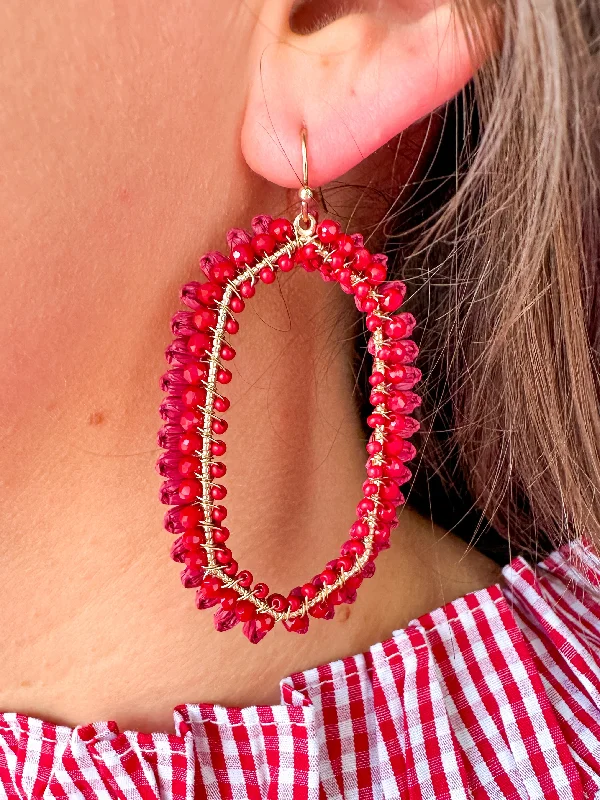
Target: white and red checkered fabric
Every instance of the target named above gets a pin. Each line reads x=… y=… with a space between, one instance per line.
x=497 y=695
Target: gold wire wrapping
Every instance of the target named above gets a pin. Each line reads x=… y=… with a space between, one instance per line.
x=302 y=236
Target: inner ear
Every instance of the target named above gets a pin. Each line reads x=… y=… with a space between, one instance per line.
x=309 y=16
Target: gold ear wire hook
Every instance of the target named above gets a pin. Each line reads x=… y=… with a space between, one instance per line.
x=303 y=135
x=305 y=192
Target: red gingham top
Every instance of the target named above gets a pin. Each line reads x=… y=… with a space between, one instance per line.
x=496 y=695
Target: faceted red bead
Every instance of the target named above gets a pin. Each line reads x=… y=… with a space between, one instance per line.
x=189 y=491
x=328 y=231
x=403 y=377
x=190 y=517
x=403 y=352
x=359 y=530
x=219 y=426
x=195 y=373
x=398 y=472
x=219 y=513
x=309 y=590
x=392 y=298
x=403 y=425
x=227 y=352
x=218 y=492
x=281 y=229
x=326 y=273
x=320 y=610
x=188 y=466
x=397 y=327
x=407 y=452
x=404 y=402
x=217 y=469
x=386 y=512
x=377 y=398
x=232 y=326
x=190 y=443
x=337 y=261
x=205 y=318
x=220 y=535
x=362 y=259
x=361 y=290
x=267 y=275
x=245 y=610
x=382 y=536
x=375 y=471
x=353 y=547
x=328 y=577
x=199 y=343
x=297 y=625
x=211 y=587
x=261 y=590
x=278 y=602
x=374 y=447
x=353 y=583
x=196 y=560
x=345 y=564
x=376 y=378
x=374 y=420
x=393 y=445
x=345 y=244
x=369 y=489
x=243 y=253
x=247 y=289
x=231 y=568
x=223 y=271
x=193 y=396
x=344 y=276
x=308 y=257
x=217 y=448
x=224 y=376
x=285 y=263
x=210 y=292
x=263 y=244
x=390 y=491
x=229 y=598
x=373 y=322
x=223 y=555
x=221 y=403
x=365 y=506
x=193 y=540
x=369 y=305
x=294 y=602
x=244 y=578
x=236 y=304
x=376 y=274
x=264 y=623
x=189 y=420
x=337 y=597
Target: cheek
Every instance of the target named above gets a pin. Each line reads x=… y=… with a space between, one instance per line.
x=115 y=119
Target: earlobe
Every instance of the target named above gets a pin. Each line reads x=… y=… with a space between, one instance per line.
x=354 y=84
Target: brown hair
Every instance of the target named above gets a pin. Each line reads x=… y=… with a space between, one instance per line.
x=499 y=245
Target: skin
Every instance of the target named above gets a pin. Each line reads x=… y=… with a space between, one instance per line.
x=122 y=134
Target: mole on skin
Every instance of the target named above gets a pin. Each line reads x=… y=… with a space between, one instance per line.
x=96 y=418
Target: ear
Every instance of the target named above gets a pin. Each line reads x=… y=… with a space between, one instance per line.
x=354 y=83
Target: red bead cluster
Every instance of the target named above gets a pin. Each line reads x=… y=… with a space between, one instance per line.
x=198 y=359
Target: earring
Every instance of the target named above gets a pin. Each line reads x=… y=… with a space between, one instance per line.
x=195 y=401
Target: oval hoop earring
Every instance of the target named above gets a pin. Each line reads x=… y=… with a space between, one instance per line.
x=195 y=401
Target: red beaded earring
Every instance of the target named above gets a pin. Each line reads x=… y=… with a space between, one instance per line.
x=192 y=462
